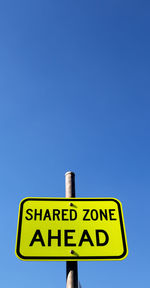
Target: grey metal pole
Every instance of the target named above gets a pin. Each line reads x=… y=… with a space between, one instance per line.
x=71 y=266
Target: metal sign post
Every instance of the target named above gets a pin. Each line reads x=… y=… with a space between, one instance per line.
x=71 y=266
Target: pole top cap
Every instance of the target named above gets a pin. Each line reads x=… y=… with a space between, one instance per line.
x=70 y=172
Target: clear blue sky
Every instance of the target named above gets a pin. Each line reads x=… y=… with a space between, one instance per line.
x=75 y=95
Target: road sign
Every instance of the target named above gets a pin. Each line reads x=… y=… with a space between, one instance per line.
x=71 y=229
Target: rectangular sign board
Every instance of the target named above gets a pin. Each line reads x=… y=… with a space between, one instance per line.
x=71 y=229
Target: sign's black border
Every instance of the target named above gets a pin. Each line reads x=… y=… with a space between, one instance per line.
x=76 y=258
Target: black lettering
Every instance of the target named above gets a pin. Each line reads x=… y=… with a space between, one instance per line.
x=85 y=238
x=47 y=215
x=37 y=238
x=64 y=214
x=96 y=214
x=87 y=211
x=50 y=237
x=29 y=213
x=69 y=237
x=103 y=214
x=98 y=238
x=73 y=217
x=56 y=213
x=38 y=214
x=111 y=214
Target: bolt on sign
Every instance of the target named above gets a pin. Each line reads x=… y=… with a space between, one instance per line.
x=71 y=229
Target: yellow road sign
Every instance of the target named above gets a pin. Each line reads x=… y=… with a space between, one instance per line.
x=71 y=229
